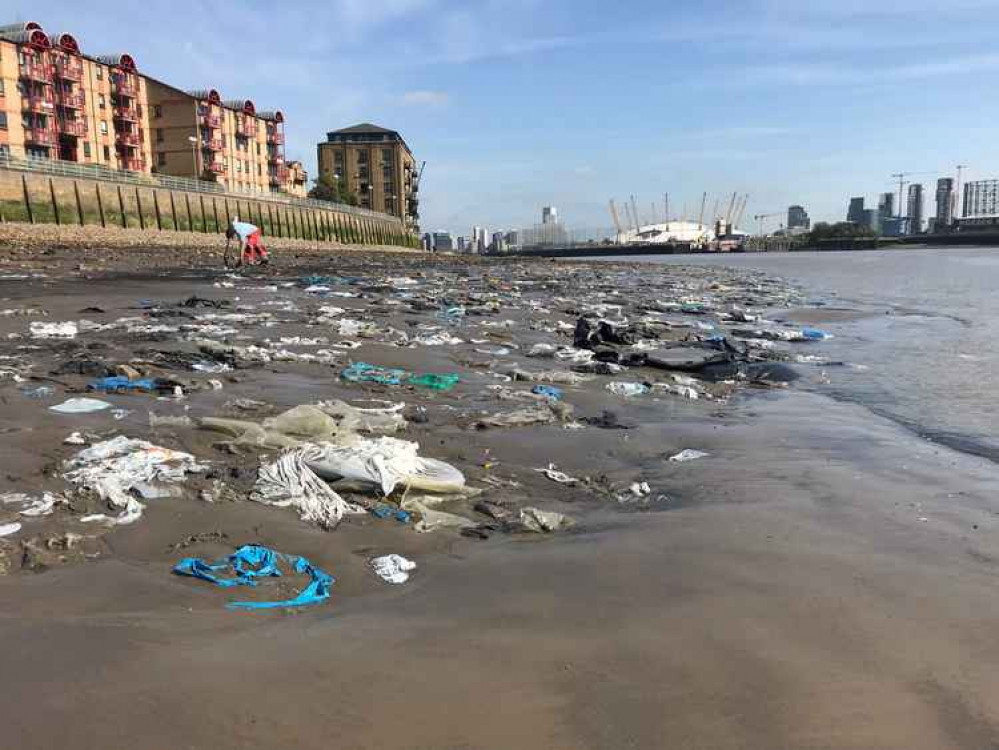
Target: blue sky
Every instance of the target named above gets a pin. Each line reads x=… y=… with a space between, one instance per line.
x=519 y=103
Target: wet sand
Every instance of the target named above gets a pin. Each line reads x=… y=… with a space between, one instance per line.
x=822 y=580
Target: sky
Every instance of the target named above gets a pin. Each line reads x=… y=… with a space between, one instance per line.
x=516 y=104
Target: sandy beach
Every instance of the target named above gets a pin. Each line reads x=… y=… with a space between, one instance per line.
x=820 y=579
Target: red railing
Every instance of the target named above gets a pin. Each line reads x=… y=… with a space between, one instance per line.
x=213 y=144
x=216 y=166
x=44 y=104
x=126 y=112
x=275 y=137
x=212 y=121
x=128 y=139
x=133 y=165
x=247 y=127
x=73 y=99
x=279 y=176
x=69 y=68
x=37 y=71
x=40 y=136
x=77 y=127
x=124 y=87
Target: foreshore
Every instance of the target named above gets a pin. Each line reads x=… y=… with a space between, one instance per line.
x=783 y=589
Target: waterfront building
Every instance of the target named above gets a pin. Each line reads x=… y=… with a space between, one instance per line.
x=931 y=225
x=945 y=203
x=499 y=242
x=797 y=219
x=198 y=134
x=855 y=213
x=443 y=242
x=462 y=245
x=58 y=103
x=914 y=208
x=378 y=167
x=298 y=179
x=549 y=215
x=871 y=218
x=981 y=199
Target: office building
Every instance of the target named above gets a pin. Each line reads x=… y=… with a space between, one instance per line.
x=945 y=203
x=443 y=242
x=797 y=220
x=981 y=199
x=871 y=218
x=549 y=215
x=479 y=240
x=377 y=166
x=855 y=214
x=58 y=103
x=886 y=205
x=198 y=134
x=931 y=225
x=914 y=209
x=499 y=243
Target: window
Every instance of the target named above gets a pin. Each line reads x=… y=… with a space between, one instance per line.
x=362 y=157
x=101 y=102
x=386 y=156
x=259 y=171
x=4 y=149
x=157 y=110
x=1 y=87
x=258 y=145
x=86 y=149
x=239 y=165
x=161 y=158
x=3 y=120
x=100 y=73
x=107 y=154
x=159 y=135
x=104 y=127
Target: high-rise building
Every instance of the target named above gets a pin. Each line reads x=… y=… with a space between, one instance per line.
x=549 y=215
x=871 y=219
x=462 y=245
x=377 y=166
x=61 y=104
x=443 y=242
x=499 y=242
x=981 y=199
x=480 y=240
x=855 y=214
x=945 y=203
x=797 y=219
x=886 y=205
x=914 y=208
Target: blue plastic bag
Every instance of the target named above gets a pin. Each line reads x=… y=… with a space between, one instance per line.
x=121 y=384
x=548 y=391
x=252 y=561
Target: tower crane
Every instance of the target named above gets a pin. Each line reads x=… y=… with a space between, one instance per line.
x=763 y=217
x=902 y=182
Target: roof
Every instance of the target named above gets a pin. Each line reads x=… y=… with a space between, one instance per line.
x=364 y=127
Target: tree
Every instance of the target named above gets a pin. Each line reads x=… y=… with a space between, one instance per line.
x=840 y=230
x=329 y=188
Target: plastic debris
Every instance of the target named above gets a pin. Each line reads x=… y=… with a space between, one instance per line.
x=120 y=384
x=628 y=390
x=555 y=475
x=290 y=482
x=393 y=568
x=113 y=467
x=80 y=406
x=42 y=391
x=432 y=519
x=65 y=330
x=362 y=372
x=548 y=391
x=689 y=454
x=544 y=521
x=6 y=529
x=252 y=562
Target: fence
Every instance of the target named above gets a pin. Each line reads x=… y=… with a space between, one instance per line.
x=58 y=193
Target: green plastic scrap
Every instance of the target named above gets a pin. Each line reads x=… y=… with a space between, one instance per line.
x=363 y=372
x=435 y=382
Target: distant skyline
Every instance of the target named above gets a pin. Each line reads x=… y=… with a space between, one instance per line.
x=517 y=104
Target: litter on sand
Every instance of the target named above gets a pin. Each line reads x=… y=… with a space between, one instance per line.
x=6 y=529
x=289 y=482
x=67 y=330
x=627 y=390
x=688 y=454
x=555 y=475
x=431 y=519
x=251 y=562
x=80 y=406
x=393 y=568
x=544 y=521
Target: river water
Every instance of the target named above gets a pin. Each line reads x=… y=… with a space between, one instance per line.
x=923 y=341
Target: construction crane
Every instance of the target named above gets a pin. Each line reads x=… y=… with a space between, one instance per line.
x=763 y=217
x=634 y=214
x=902 y=182
x=700 y=219
x=616 y=218
x=714 y=214
x=739 y=211
x=957 y=191
x=731 y=209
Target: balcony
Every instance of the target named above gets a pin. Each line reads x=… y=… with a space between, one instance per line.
x=126 y=112
x=43 y=104
x=40 y=136
x=124 y=87
x=77 y=127
x=132 y=164
x=36 y=71
x=216 y=167
x=69 y=68
x=275 y=158
x=213 y=144
x=126 y=138
x=275 y=137
x=212 y=121
x=72 y=100
x=279 y=176
x=247 y=128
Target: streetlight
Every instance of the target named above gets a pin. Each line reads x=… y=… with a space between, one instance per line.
x=194 y=155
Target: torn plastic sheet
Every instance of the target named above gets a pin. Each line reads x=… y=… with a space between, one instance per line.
x=80 y=406
x=689 y=454
x=6 y=529
x=544 y=521
x=290 y=482
x=65 y=330
x=555 y=475
x=431 y=519
x=393 y=568
x=113 y=467
x=251 y=562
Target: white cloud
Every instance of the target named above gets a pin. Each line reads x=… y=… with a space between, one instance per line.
x=426 y=98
